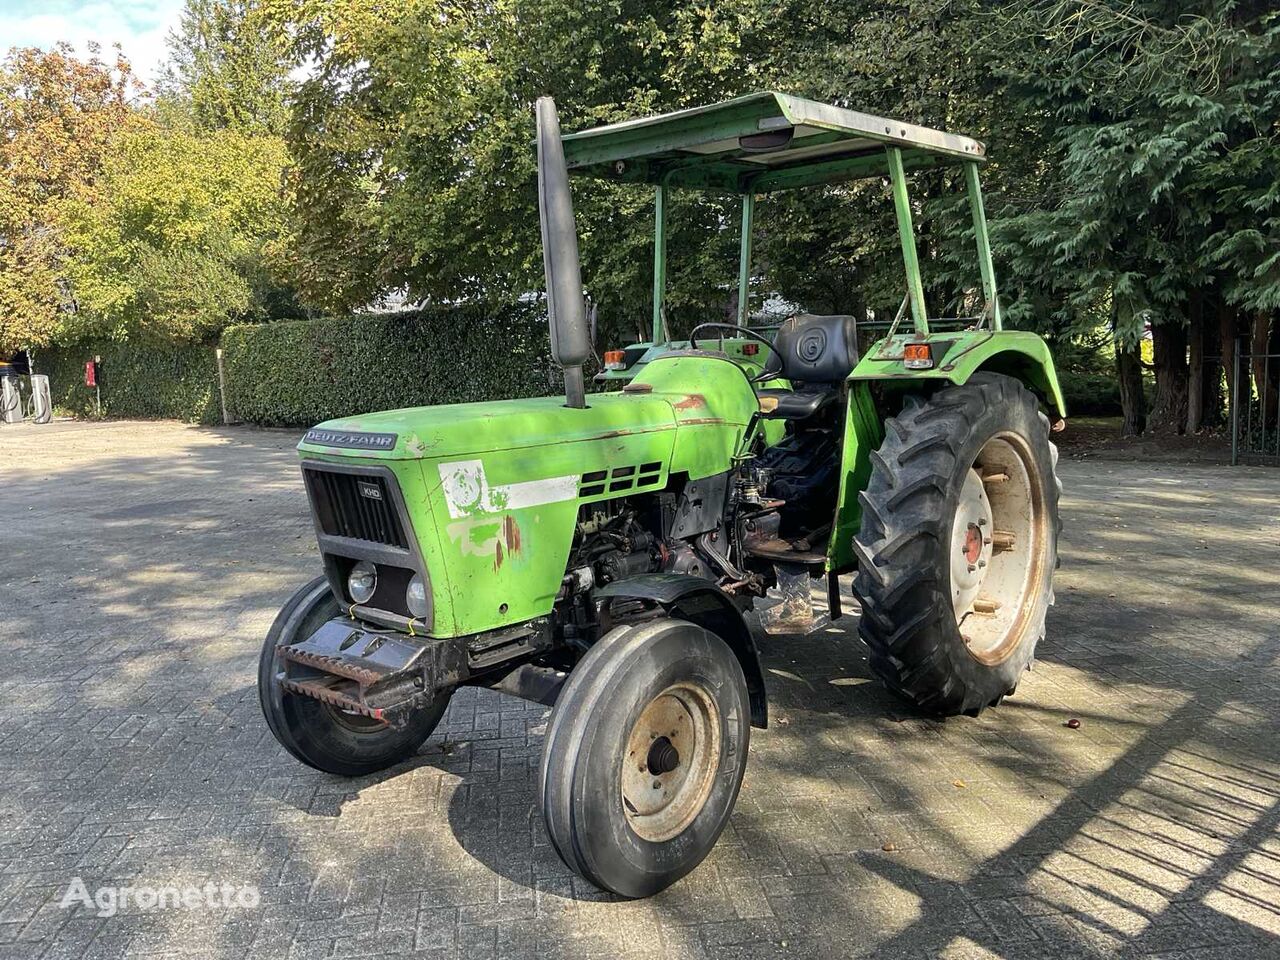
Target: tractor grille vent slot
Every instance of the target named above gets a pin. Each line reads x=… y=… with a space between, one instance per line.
x=620 y=479
x=355 y=505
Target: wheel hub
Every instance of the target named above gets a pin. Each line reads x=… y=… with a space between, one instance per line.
x=671 y=759
x=971 y=543
x=663 y=757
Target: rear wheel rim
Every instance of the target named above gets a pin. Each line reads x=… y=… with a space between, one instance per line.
x=671 y=759
x=999 y=547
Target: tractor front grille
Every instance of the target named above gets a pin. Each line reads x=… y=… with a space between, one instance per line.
x=356 y=505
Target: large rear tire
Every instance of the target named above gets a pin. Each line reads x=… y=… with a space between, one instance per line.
x=958 y=545
x=644 y=755
x=318 y=734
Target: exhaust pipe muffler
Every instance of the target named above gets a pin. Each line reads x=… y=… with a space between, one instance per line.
x=566 y=309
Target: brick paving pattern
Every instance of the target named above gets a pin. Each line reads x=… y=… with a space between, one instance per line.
x=140 y=565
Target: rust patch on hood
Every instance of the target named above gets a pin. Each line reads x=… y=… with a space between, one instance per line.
x=511 y=533
x=690 y=402
x=497 y=557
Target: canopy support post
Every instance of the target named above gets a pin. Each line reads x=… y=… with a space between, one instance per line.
x=906 y=234
x=744 y=257
x=659 y=260
x=984 y=245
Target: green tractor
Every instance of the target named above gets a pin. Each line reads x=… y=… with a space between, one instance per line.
x=597 y=553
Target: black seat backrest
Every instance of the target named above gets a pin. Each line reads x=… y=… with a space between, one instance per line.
x=814 y=349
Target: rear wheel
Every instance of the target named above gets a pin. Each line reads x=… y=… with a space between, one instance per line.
x=958 y=545
x=319 y=734
x=644 y=755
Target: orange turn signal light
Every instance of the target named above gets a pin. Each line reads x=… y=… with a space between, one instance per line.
x=917 y=356
x=615 y=360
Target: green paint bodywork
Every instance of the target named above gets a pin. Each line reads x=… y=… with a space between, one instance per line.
x=700 y=148
x=494 y=560
x=732 y=347
x=863 y=432
x=958 y=356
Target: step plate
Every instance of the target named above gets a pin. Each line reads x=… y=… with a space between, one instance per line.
x=376 y=675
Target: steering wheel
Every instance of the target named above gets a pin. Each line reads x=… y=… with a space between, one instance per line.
x=764 y=373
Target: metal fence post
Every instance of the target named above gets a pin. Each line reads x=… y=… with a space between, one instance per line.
x=1235 y=403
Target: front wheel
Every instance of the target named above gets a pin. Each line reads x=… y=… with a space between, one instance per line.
x=958 y=545
x=319 y=734
x=644 y=755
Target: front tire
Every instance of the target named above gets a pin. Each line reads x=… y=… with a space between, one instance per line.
x=320 y=735
x=644 y=755
x=958 y=545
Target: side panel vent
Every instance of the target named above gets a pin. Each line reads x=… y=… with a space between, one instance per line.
x=620 y=479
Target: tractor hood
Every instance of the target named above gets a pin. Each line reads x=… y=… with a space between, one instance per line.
x=493 y=491
x=465 y=429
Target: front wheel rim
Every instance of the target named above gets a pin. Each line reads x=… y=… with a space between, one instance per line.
x=999 y=547
x=671 y=759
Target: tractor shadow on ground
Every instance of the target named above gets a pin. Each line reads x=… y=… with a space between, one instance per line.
x=494 y=809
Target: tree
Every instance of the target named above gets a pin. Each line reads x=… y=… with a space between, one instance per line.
x=58 y=116
x=182 y=236
x=414 y=170
x=1160 y=115
x=224 y=71
x=412 y=142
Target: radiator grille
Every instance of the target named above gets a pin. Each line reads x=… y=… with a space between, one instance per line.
x=358 y=506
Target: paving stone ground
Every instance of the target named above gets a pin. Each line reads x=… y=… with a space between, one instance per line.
x=141 y=564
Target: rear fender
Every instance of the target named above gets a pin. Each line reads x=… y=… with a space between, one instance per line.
x=702 y=602
x=959 y=355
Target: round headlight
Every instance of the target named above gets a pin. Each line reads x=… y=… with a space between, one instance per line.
x=416 y=597
x=362 y=582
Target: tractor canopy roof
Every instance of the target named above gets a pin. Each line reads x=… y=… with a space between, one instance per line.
x=759 y=143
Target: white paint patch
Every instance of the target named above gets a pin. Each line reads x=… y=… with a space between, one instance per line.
x=467 y=492
x=460 y=532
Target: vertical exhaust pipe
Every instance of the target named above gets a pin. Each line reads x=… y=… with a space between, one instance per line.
x=566 y=310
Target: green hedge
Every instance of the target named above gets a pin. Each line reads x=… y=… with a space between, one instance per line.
x=297 y=373
x=161 y=382
x=300 y=372
x=1090 y=394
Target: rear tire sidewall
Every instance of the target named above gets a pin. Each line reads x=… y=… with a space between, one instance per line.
x=312 y=731
x=586 y=748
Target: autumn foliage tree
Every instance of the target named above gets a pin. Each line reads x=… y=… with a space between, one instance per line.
x=58 y=117
x=179 y=240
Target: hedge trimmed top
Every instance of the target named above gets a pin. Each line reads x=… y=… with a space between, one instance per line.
x=762 y=142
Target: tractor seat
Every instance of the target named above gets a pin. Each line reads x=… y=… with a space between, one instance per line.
x=793 y=404
x=817 y=354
